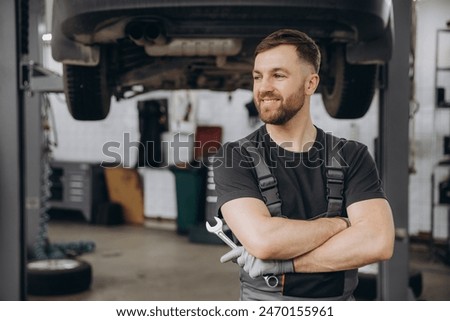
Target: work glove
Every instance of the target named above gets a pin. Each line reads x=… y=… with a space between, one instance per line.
x=256 y=267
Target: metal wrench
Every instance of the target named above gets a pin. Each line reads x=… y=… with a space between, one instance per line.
x=271 y=280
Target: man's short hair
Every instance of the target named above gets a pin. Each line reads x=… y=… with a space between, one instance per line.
x=307 y=49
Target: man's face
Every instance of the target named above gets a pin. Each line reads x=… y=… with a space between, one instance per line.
x=278 y=87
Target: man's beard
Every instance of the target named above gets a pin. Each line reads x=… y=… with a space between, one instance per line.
x=288 y=109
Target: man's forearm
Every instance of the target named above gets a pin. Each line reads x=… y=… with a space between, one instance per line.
x=293 y=238
x=350 y=249
x=267 y=237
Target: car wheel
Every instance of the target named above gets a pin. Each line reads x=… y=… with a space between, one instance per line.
x=347 y=89
x=87 y=91
x=58 y=276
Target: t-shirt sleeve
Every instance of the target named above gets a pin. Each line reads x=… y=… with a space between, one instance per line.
x=233 y=175
x=362 y=179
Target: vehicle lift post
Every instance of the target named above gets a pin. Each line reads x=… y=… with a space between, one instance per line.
x=21 y=139
x=393 y=153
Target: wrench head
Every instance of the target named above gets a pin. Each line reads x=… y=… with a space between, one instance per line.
x=216 y=228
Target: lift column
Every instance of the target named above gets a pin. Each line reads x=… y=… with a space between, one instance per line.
x=393 y=154
x=21 y=142
x=12 y=236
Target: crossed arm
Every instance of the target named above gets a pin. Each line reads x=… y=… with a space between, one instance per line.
x=321 y=245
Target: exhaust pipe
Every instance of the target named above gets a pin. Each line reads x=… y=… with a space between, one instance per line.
x=190 y=47
x=145 y=33
x=135 y=31
x=153 y=34
x=150 y=35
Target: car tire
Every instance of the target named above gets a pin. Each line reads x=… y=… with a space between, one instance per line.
x=58 y=276
x=87 y=90
x=347 y=89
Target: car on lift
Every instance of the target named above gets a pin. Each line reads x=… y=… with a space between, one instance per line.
x=126 y=48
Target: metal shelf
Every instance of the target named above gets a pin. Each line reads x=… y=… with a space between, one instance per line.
x=441 y=169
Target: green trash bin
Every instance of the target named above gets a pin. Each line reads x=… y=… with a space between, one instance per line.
x=190 y=181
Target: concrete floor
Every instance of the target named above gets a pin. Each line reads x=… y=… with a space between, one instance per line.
x=153 y=262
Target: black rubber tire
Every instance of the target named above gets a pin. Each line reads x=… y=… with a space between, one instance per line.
x=87 y=91
x=58 y=276
x=347 y=90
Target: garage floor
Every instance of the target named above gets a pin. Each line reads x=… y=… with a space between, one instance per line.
x=152 y=262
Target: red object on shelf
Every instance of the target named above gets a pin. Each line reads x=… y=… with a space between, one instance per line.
x=208 y=140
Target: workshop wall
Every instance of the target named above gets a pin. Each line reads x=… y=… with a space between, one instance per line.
x=431 y=16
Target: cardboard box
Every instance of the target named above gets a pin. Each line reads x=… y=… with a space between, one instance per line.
x=125 y=187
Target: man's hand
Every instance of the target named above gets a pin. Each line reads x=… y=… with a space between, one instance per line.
x=256 y=267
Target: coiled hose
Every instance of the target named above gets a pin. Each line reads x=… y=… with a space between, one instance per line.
x=42 y=248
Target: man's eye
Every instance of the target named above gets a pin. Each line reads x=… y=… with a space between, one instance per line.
x=256 y=77
x=279 y=76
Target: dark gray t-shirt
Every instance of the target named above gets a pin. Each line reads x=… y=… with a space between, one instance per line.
x=301 y=184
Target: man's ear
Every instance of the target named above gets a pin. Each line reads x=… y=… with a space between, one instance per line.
x=312 y=81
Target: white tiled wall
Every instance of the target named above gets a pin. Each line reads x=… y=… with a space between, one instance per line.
x=160 y=199
x=429 y=123
x=84 y=141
